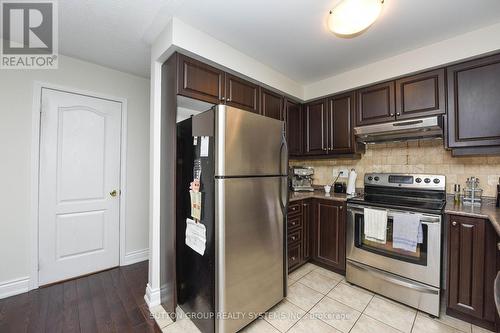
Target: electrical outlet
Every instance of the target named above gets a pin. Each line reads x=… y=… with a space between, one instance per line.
x=344 y=173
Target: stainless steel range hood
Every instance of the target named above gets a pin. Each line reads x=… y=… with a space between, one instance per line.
x=421 y=128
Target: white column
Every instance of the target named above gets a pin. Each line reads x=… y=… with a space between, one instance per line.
x=152 y=296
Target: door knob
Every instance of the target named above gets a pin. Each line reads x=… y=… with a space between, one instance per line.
x=113 y=193
x=454 y=223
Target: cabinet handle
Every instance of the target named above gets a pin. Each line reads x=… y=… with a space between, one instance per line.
x=398 y=114
x=223 y=98
x=293 y=223
x=293 y=237
x=229 y=99
x=498 y=246
x=293 y=258
x=392 y=114
x=341 y=207
x=305 y=205
x=454 y=223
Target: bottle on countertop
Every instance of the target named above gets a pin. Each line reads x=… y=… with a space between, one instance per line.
x=498 y=193
x=456 y=194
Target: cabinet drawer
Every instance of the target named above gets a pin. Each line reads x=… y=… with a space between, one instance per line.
x=293 y=256
x=295 y=208
x=294 y=237
x=295 y=222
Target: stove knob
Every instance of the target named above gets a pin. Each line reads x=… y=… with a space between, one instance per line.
x=418 y=180
x=427 y=180
x=370 y=178
x=377 y=179
x=436 y=181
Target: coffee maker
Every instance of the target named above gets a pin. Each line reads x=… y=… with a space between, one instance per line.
x=302 y=178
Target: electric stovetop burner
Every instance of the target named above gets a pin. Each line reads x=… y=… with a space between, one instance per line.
x=412 y=192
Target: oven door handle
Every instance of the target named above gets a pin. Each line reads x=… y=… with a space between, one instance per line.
x=425 y=219
x=392 y=279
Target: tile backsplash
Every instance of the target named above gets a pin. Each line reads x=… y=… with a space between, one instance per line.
x=426 y=156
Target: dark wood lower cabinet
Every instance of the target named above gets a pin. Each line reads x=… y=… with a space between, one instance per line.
x=316 y=232
x=306 y=230
x=471 y=270
x=298 y=234
x=329 y=234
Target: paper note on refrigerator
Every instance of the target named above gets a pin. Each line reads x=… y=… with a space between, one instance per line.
x=195 y=204
x=196 y=236
x=204 y=146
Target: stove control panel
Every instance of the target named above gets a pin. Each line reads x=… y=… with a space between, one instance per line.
x=404 y=180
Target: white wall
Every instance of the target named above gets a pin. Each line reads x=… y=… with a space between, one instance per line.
x=16 y=102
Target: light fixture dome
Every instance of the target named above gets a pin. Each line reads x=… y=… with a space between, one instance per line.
x=351 y=17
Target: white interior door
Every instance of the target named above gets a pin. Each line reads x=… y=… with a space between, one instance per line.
x=79 y=170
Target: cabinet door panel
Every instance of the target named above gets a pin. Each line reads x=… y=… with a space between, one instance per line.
x=474 y=103
x=341 y=135
x=466 y=265
x=294 y=128
x=271 y=104
x=316 y=128
x=306 y=231
x=421 y=95
x=375 y=104
x=200 y=81
x=329 y=234
x=242 y=94
x=294 y=253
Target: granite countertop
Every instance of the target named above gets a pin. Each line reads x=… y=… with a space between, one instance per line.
x=318 y=194
x=487 y=211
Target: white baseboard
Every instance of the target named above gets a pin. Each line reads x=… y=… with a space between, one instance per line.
x=15 y=287
x=135 y=256
x=152 y=296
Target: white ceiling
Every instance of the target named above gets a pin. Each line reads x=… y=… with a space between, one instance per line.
x=289 y=36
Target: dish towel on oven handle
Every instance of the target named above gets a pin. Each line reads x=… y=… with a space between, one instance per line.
x=406 y=231
x=375 y=225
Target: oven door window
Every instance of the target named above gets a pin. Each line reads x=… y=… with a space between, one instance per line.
x=418 y=257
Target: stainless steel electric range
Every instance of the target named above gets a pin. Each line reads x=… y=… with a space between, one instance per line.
x=410 y=277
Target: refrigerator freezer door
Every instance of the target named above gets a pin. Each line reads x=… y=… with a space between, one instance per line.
x=249 y=231
x=248 y=144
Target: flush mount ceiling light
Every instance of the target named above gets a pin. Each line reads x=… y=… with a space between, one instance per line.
x=351 y=17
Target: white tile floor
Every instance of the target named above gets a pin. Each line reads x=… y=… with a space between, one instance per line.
x=320 y=301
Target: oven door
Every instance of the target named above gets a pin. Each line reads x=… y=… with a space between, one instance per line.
x=424 y=265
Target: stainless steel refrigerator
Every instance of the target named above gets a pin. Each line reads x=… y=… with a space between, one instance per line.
x=241 y=160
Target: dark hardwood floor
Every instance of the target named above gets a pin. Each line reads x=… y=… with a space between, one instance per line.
x=109 y=301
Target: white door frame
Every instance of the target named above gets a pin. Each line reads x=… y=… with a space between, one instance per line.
x=35 y=168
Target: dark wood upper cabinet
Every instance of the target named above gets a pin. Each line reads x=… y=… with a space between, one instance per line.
x=200 y=81
x=340 y=124
x=474 y=103
x=329 y=234
x=316 y=128
x=241 y=94
x=421 y=95
x=375 y=104
x=294 y=128
x=271 y=104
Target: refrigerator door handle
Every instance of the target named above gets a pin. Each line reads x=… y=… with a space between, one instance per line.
x=283 y=193
x=284 y=173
